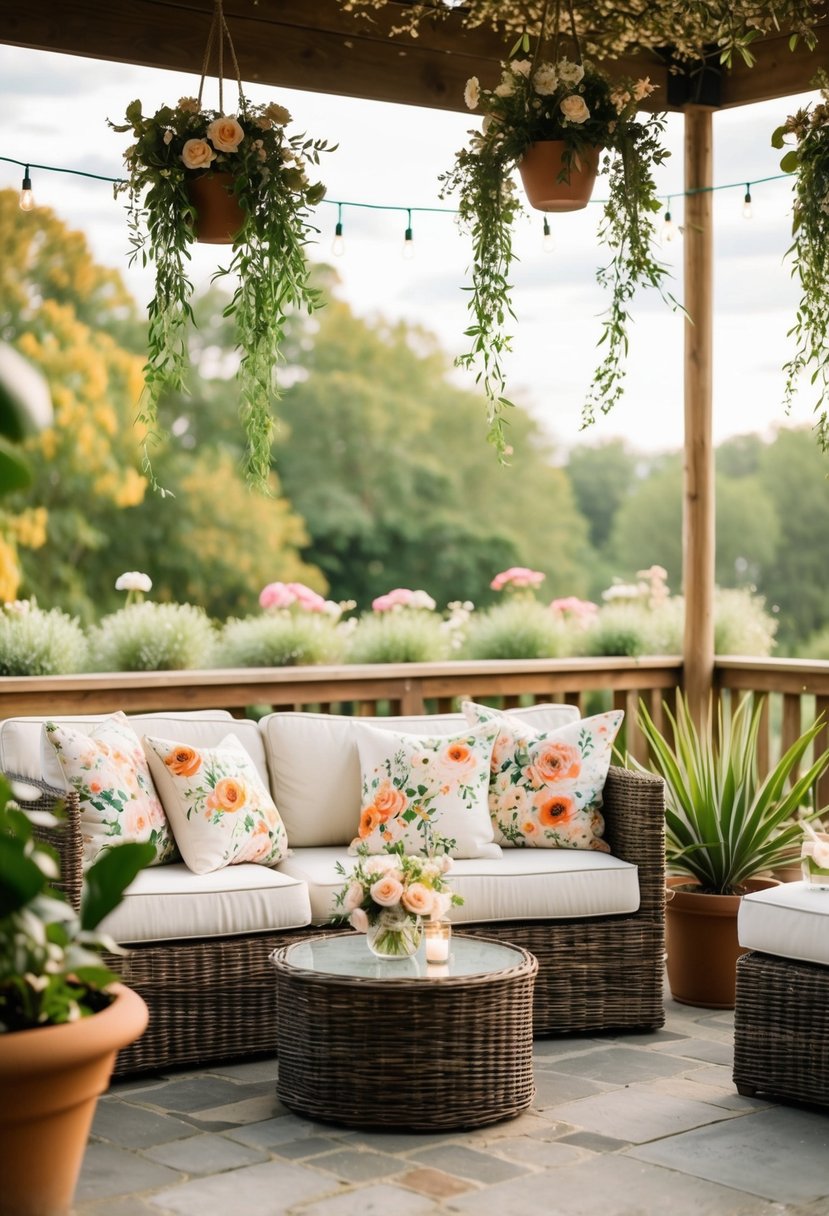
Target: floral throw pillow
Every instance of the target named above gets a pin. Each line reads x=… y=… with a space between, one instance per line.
x=219 y=809
x=546 y=786
x=108 y=770
x=414 y=786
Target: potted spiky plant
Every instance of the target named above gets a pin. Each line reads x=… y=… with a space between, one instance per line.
x=726 y=827
x=63 y=1016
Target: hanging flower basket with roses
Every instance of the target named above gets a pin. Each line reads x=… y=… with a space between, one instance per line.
x=552 y=121
x=186 y=160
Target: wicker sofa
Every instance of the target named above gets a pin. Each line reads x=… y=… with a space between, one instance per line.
x=204 y=968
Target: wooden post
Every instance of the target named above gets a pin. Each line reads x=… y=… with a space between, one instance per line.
x=698 y=511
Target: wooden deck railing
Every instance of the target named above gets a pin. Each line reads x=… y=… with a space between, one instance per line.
x=796 y=691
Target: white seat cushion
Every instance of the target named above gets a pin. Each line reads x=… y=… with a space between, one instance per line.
x=523 y=884
x=20 y=738
x=168 y=903
x=315 y=765
x=791 y=921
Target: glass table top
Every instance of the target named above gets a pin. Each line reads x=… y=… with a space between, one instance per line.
x=348 y=955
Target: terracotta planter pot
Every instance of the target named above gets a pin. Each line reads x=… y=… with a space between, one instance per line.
x=540 y=167
x=218 y=214
x=702 y=943
x=50 y=1079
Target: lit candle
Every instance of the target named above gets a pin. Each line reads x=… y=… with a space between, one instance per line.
x=438 y=933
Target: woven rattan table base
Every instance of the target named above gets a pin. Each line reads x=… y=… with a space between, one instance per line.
x=406 y=1053
x=781 y=1029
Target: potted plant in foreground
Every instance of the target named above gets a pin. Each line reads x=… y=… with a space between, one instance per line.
x=564 y=113
x=725 y=828
x=62 y=1016
x=183 y=158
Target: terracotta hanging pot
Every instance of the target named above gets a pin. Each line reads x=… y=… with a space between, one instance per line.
x=218 y=214
x=540 y=167
x=702 y=943
x=50 y=1080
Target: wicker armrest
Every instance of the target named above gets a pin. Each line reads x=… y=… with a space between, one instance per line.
x=634 y=813
x=66 y=838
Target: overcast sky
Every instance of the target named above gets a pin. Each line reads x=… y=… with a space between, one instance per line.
x=56 y=107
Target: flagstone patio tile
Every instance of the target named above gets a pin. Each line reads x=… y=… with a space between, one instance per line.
x=381 y=1200
x=463 y=1162
x=713 y=1051
x=250 y=1191
x=637 y=1114
x=205 y=1154
x=135 y=1126
x=355 y=1166
x=109 y=1172
x=621 y=1065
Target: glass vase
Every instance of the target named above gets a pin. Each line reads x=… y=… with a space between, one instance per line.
x=394 y=933
x=814 y=859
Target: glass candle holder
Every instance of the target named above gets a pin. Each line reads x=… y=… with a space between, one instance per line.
x=438 y=935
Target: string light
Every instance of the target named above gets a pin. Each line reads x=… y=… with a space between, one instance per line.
x=27 y=199
x=548 y=241
x=669 y=231
x=408 y=250
x=747 y=208
x=338 y=243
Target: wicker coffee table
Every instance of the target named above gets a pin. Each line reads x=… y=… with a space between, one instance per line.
x=403 y=1044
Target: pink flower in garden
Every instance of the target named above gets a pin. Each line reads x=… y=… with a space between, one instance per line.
x=285 y=595
x=403 y=597
x=517 y=576
x=571 y=608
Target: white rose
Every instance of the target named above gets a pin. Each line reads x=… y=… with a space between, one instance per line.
x=574 y=109
x=545 y=81
x=472 y=93
x=505 y=88
x=570 y=73
x=197 y=154
x=521 y=67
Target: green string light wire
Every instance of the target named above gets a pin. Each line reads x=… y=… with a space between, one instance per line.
x=99 y=177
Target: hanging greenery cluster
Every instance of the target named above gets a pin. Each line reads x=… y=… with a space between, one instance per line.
x=809 y=252
x=610 y=28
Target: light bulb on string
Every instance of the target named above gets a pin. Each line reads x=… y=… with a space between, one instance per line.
x=27 y=199
x=548 y=241
x=408 y=250
x=669 y=229
x=338 y=243
x=747 y=208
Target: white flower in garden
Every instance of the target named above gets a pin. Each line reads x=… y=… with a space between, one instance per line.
x=18 y=607
x=574 y=108
x=189 y=105
x=570 y=73
x=278 y=114
x=545 y=80
x=521 y=67
x=472 y=93
x=422 y=599
x=506 y=88
x=133 y=580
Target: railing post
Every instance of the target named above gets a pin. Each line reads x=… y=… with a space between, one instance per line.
x=698 y=510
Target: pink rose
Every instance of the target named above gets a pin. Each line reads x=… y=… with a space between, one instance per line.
x=517 y=576
x=197 y=154
x=386 y=891
x=418 y=899
x=225 y=134
x=353 y=897
x=276 y=595
x=306 y=598
x=358 y=920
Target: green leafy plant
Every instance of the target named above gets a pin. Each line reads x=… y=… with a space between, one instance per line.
x=724 y=824
x=282 y=640
x=404 y=635
x=808 y=160
x=153 y=637
x=268 y=169
x=519 y=628
x=35 y=642
x=51 y=965
x=575 y=103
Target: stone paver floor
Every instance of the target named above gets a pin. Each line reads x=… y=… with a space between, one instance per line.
x=627 y=1125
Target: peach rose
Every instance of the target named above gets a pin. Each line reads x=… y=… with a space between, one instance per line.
x=574 y=108
x=418 y=899
x=358 y=920
x=353 y=897
x=554 y=762
x=230 y=794
x=225 y=134
x=389 y=801
x=370 y=820
x=183 y=761
x=456 y=762
x=197 y=154
x=386 y=891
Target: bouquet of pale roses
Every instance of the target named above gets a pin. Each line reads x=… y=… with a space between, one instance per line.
x=411 y=886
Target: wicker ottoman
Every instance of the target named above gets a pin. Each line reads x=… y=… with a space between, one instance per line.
x=401 y=1044
x=781 y=1015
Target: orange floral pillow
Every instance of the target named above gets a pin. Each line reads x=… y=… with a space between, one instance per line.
x=218 y=806
x=416 y=786
x=546 y=786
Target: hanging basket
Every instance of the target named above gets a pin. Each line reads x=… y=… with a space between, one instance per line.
x=219 y=218
x=541 y=167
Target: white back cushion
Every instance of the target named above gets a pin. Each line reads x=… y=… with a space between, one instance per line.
x=315 y=765
x=20 y=738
